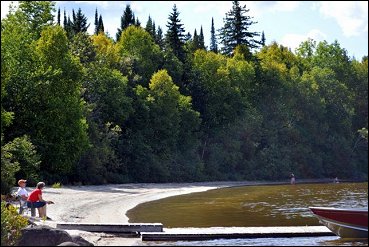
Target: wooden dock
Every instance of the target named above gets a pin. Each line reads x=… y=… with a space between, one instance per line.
x=156 y=232
x=175 y=234
x=116 y=228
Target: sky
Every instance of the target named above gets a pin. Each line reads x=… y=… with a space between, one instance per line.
x=286 y=22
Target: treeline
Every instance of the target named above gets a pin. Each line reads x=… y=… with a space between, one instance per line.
x=153 y=107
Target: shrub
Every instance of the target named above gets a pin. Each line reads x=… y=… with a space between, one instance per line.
x=56 y=185
x=11 y=224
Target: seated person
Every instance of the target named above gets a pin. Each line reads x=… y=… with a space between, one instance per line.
x=22 y=194
x=35 y=200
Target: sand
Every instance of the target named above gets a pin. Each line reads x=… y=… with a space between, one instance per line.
x=109 y=204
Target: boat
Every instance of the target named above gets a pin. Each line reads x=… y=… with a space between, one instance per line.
x=344 y=222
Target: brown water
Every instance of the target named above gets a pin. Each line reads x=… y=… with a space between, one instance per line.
x=274 y=205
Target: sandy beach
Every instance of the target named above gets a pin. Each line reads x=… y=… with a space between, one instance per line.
x=109 y=204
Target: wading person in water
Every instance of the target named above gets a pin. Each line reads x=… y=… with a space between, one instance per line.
x=293 y=180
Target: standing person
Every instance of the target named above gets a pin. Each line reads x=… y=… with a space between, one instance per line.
x=293 y=180
x=22 y=193
x=35 y=200
x=336 y=180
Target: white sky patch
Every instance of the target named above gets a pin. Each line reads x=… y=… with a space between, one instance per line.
x=294 y=40
x=352 y=17
x=286 y=6
x=103 y=4
x=5 y=7
x=260 y=8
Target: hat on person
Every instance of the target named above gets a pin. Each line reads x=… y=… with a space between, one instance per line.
x=21 y=181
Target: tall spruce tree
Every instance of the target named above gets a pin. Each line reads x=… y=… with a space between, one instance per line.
x=213 y=39
x=65 y=21
x=100 y=25
x=201 y=39
x=67 y=25
x=127 y=19
x=79 y=22
x=263 y=39
x=96 y=23
x=58 y=22
x=137 y=22
x=159 y=38
x=235 y=30
x=174 y=38
x=150 y=27
x=195 y=40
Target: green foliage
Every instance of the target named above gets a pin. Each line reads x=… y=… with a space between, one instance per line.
x=79 y=23
x=126 y=20
x=138 y=44
x=18 y=160
x=56 y=185
x=26 y=155
x=11 y=225
x=236 y=29
x=154 y=133
x=175 y=34
x=9 y=166
x=38 y=14
x=82 y=47
x=136 y=110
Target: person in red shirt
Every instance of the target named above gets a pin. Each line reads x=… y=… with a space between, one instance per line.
x=35 y=200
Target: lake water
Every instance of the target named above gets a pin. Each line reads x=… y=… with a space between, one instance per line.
x=247 y=206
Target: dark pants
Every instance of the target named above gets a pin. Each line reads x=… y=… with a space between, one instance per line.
x=34 y=205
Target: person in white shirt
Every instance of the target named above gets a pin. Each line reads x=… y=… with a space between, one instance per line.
x=22 y=193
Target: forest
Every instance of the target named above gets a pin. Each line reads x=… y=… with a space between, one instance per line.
x=148 y=106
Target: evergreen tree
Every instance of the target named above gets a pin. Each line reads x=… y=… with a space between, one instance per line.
x=213 y=39
x=79 y=22
x=67 y=25
x=59 y=16
x=137 y=23
x=195 y=40
x=159 y=38
x=263 y=39
x=127 y=19
x=150 y=27
x=100 y=27
x=65 y=21
x=201 y=40
x=235 y=31
x=96 y=23
x=175 y=35
x=187 y=37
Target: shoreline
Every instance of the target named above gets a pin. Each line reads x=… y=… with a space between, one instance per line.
x=110 y=203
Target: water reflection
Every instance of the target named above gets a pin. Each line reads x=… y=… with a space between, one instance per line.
x=300 y=241
x=276 y=205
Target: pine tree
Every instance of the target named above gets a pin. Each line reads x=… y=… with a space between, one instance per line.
x=96 y=23
x=263 y=39
x=187 y=37
x=213 y=39
x=148 y=27
x=195 y=40
x=137 y=22
x=65 y=21
x=235 y=31
x=159 y=38
x=79 y=22
x=67 y=24
x=58 y=16
x=201 y=40
x=100 y=27
x=127 y=19
x=175 y=34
